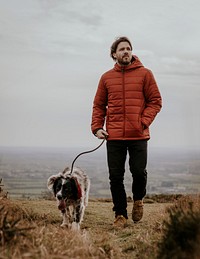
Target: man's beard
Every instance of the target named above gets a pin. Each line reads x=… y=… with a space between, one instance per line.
x=124 y=62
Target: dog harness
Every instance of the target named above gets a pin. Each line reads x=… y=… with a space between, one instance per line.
x=78 y=188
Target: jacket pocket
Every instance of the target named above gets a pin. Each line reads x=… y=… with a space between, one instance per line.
x=135 y=124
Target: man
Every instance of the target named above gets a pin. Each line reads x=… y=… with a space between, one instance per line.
x=127 y=101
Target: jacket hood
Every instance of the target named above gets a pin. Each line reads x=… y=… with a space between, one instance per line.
x=135 y=63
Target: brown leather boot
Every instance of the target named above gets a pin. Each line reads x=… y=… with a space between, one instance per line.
x=137 y=211
x=120 y=222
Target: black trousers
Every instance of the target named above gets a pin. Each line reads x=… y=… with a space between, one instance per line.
x=116 y=157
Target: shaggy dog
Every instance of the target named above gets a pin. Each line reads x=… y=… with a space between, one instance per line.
x=71 y=192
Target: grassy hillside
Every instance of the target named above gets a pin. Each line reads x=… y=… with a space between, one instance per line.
x=31 y=229
x=41 y=236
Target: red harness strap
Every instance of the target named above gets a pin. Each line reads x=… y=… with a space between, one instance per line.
x=78 y=188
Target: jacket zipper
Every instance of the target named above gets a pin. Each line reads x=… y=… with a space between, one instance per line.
x=123 y=88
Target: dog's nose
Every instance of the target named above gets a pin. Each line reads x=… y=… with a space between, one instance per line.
x=59 y=197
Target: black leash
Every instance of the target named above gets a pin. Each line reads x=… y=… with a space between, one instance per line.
x=72 y=166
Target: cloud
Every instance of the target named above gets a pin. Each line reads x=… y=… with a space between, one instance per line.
x=180 y=66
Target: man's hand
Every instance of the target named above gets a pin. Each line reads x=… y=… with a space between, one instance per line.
x=101 y=134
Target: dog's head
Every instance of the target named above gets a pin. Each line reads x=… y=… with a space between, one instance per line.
x=64 y=188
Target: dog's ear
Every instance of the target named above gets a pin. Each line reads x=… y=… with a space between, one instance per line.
x=51 y=181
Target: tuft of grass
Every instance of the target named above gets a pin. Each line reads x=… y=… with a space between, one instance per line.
x=9 y=227
x=181 y=234
x=3 y=194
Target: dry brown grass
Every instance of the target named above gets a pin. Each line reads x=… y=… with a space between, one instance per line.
x=31 y=229
x=181 y=232
x=97 y=239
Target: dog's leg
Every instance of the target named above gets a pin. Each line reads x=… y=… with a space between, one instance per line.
x=75 y=226
x=77 y=217
x=87 y=189
x=66 y=218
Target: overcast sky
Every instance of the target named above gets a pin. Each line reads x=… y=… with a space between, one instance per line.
x=53 y=52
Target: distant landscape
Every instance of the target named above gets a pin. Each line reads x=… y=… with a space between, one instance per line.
x=25 y=170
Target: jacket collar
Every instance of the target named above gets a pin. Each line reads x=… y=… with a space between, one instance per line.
x=135 y=63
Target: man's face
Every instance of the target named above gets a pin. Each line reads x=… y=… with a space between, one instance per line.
x=123 y=53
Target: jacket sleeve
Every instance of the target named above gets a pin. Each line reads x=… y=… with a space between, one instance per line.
x=99 y=107
x=153 y=100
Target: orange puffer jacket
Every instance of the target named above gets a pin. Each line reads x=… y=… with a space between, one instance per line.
x=128 y=99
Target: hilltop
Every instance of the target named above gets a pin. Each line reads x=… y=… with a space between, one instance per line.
x=97 y=239
x=169 y=229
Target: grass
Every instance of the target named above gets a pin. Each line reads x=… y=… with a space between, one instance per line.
x=97 y=238
x=181 y=232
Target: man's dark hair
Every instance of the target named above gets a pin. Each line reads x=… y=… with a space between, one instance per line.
x=113 y=48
